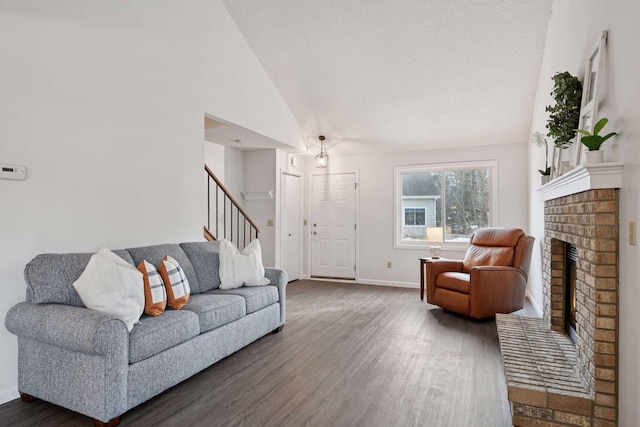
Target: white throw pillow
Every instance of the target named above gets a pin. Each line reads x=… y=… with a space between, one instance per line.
x=241 y=268
x=112 y=285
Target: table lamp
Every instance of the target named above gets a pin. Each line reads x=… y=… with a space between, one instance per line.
x=435 y=235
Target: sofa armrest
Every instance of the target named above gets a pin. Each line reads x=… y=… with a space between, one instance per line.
x=435 y=267
x=74 y=328
x=279 y=278
x=495 y=289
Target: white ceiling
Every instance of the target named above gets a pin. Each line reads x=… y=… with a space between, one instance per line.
x=377 y=75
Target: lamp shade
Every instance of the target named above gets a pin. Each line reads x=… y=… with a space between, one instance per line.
x=435 y=234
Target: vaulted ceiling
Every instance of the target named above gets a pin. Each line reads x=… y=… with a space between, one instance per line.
x=396 y=75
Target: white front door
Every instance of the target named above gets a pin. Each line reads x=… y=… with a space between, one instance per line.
x=290 y=225
x=333 y=226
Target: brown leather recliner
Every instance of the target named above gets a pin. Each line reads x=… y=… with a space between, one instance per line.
x=491 y=279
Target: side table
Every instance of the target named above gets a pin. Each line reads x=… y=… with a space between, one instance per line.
x=423 y=261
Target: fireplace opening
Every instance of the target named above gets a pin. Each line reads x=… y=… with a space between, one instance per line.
x=570 y=262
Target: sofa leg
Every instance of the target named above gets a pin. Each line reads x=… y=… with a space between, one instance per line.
x=26 y=397
x=111 y=423
x=278 y=329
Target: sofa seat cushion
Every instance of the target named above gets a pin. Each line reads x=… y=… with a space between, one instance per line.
x=216 y=310
x=453 y=281
x=156 y=334
x=256 y=297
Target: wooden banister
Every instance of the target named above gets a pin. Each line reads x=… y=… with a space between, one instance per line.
x=228 y=194
x=224 y=215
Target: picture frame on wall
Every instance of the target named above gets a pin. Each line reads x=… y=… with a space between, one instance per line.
x=590 y=92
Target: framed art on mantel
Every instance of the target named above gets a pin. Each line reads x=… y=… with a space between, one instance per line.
x=593 y=70
x=555 y=162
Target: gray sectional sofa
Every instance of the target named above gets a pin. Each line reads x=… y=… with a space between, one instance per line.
x=87 y=361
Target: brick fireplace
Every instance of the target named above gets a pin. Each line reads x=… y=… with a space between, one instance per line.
x=552 y=381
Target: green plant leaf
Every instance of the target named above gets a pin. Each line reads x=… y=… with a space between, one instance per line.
x=584 y=132
x=604 y=138
x=598 y=127
x=592 y=142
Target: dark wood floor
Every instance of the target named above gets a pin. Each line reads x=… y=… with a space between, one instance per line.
x=349 y=355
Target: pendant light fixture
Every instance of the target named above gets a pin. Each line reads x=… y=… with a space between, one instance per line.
x=322 y=159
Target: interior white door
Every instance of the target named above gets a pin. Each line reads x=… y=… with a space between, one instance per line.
x=333 y=226
x=290 y=225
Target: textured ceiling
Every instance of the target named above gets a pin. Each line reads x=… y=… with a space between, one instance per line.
x=377 y=75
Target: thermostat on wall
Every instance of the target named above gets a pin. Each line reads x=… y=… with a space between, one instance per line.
x=16 y=172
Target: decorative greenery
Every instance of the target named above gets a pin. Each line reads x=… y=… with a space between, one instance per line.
x=593 y=141
x=539 y=140
x=565 y=114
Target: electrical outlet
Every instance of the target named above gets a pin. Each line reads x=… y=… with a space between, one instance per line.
x=632 y=233
x=305 y=222
x=388 y=264
x=269 y=223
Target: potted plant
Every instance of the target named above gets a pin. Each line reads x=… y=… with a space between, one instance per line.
x=593 y=141
x=539 y=140
x=565 y=114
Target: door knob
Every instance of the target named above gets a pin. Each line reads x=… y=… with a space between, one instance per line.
x=314 y=233
x=289 y=234
x=315 y=225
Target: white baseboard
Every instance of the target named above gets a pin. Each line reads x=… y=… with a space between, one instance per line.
x=535 y=305
x=386 y=283
x=8 y=395
x=329 y=279
x=367 y=282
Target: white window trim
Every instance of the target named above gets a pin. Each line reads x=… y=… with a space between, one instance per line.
x=398 y=219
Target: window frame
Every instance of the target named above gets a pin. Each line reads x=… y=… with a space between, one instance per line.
x=398 y=171
x=424 y=210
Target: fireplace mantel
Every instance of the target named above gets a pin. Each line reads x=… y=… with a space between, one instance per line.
x=583 y=178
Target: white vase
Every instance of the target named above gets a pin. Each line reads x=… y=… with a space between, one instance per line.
x=544 y=179
x=594 y=157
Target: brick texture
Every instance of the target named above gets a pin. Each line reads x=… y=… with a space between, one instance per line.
x=570 y=385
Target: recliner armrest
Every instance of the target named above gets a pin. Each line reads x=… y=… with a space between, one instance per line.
x=435 y=267
x=495 y=289
x=73 y=328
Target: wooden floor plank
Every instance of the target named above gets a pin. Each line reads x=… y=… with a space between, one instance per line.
x=349 y=355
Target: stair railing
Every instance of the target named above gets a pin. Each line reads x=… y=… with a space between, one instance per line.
x=222 y=208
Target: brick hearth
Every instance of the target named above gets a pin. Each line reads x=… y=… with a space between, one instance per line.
x=589 y=221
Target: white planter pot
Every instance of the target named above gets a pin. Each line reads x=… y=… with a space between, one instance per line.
x=594 y=157
x=544 y=179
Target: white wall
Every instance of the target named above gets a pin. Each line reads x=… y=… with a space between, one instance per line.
x=573 y=30
x=376 y=205
x=103 y=102
x=214 y=157
x=234 y=173
x=242 y=92
x=260 y=175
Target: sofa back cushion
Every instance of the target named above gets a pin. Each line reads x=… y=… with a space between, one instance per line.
x=50 y=277
x=205 y=258
x=492 y=246
x=156 y=253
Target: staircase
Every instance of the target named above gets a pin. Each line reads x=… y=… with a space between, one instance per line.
x=225 y=217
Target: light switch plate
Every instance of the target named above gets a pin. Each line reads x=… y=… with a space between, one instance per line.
x=14 y=172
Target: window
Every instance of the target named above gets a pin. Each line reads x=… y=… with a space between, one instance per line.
x=414 y=216
x=458 y=198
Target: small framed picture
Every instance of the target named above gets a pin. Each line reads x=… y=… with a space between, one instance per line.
x=590 y=91
x=555 y=162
